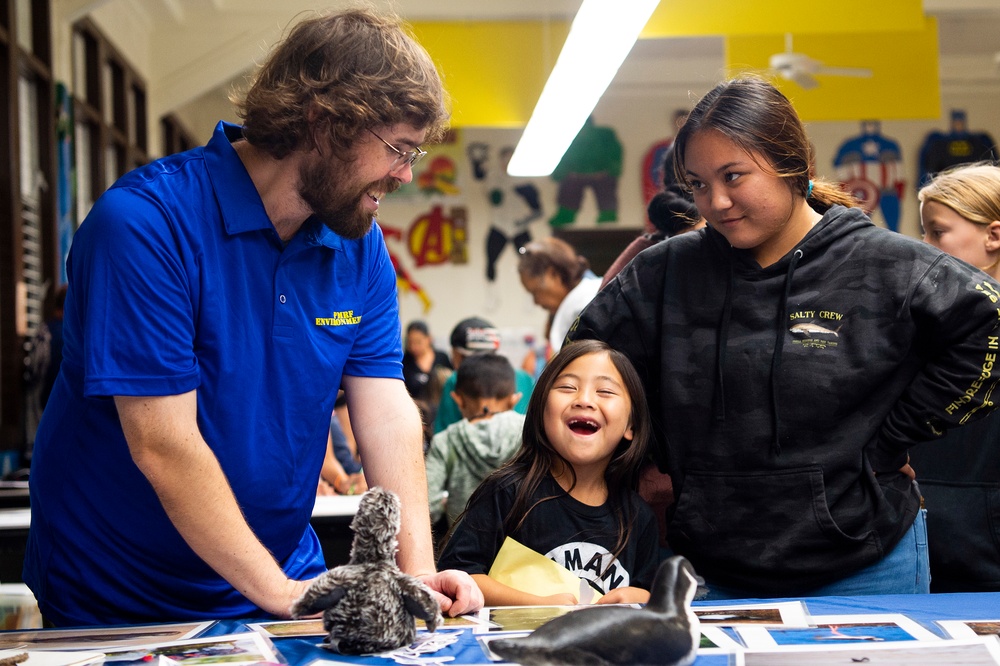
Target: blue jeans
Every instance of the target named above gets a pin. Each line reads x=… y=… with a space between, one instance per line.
x=905 y=570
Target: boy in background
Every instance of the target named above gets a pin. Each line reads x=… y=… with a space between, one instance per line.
x=470 y=337
x=464 y=453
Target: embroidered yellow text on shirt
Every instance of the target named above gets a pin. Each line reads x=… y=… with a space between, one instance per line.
x=345 y=318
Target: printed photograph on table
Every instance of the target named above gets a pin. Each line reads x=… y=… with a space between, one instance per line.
x=246 y=648
x=525 y=618
x=104 y=637
x=782 y=613
x=314 y=627
x=522 y=618
x=970 y=628
x=50 y=657
x=716 y=640
x=839 y=629
x=980 y=652
x=289 y=628
x=511 y=621
x=486 y=639
x=471 y=620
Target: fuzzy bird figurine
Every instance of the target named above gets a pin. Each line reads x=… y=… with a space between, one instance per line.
x=666 y=632
x=368 y=604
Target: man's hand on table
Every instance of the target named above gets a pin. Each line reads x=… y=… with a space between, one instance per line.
x=455 y=591
x=294 y=589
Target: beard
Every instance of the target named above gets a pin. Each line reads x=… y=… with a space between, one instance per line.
x=326 y=187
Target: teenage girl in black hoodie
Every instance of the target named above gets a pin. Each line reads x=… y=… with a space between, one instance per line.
x=792 y=352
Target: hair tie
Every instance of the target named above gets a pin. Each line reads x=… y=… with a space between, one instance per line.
x=810 y=190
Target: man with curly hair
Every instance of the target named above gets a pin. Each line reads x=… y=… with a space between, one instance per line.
x=217 y=300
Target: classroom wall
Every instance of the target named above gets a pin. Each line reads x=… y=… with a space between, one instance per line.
x=640 y=115
x=639 y=120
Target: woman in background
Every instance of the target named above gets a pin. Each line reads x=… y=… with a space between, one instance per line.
x=424 y=369
x=959 y=475
x=559 y=280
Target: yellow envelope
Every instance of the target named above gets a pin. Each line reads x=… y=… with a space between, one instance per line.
x=523 y=569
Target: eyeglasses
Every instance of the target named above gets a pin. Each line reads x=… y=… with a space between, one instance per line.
x=407 y=157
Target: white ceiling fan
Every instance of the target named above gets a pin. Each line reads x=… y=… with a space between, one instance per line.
x=802 y=69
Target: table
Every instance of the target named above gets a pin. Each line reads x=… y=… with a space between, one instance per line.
x=922 y=608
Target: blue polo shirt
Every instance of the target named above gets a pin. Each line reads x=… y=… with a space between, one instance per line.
x=178 y=281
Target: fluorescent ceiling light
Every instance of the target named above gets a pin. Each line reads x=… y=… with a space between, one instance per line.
x=602 y=34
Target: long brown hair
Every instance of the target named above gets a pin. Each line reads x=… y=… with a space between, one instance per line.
x=534 y=460
x=758 y=118
x=334 y=77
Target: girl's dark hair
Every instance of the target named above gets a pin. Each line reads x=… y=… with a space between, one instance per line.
x=550 y=252
x=484 y=376
x=334 y=77
x=419 y=326
x=533 y=461
x=758 y=118
x=672 y=210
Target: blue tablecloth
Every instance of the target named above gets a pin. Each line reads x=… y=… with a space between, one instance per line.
x=922 y=608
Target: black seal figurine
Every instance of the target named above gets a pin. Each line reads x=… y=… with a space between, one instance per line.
x=368 y=604
x=666 y=632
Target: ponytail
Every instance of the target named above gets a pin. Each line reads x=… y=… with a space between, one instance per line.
x=826 y=194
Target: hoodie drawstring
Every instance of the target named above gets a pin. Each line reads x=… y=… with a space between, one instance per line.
x=720 y=348
x=779 y=345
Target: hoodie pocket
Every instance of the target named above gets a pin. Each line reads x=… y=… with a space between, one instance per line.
x=764 y=521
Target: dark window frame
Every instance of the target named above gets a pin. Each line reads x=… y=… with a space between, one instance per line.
x=28 y=247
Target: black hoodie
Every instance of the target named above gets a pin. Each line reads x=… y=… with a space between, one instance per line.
x=785 y=398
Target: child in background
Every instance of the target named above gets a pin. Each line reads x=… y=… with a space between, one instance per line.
x=470 y=337
x=341 y=473
x=464 y=453
x=960 y=215
x=959 y=474
x=569 y=491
